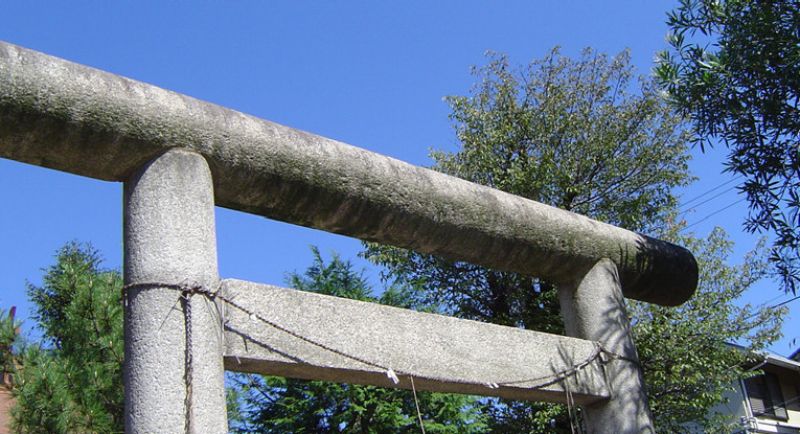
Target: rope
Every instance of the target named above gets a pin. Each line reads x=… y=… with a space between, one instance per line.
x=392 y=375
x=570 y=415
x=186 y=301
x=188 y=289
x=557 y=377
x=254 y=316
x=416 y=404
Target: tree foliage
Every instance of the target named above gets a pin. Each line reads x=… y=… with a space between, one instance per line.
x=72 y=382
x=686 y=352
x=576 y=134
x=582 y=135
x=734 y=69
x=585 y=136
x=281 y=405
x=9 y=342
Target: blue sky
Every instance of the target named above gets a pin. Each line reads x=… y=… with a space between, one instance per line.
x=372 y=74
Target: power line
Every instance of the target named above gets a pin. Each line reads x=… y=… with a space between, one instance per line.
x=774 y=306
x=710 y=191
x=709 y=199
x=714 y=213
x=772 y=300
x=785 y=302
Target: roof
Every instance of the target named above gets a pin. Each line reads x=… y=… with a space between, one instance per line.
x=789 y=363
x=792 y=362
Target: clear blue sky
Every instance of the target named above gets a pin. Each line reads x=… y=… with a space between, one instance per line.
x=371 y=74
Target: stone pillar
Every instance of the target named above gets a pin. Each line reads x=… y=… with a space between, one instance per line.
x=593 y=308
x=170 y=239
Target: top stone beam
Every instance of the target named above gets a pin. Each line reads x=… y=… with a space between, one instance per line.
x=73 y=118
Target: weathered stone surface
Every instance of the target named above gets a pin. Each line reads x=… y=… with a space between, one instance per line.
x=442 y=353
x=593 y=308
x=169 y=238
x=69 y=117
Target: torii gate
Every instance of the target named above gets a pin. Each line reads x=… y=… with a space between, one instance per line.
x=179 y=156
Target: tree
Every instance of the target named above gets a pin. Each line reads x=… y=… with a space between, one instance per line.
x=280 y=405
x=686 y=352
x=571 y=134
x=9 y=342
x=734 y=70
x=72 y=382
x=578 y=135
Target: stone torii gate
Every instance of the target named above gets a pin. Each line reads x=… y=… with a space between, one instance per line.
x=178 y=157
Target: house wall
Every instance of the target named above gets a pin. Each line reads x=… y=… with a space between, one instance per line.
x=734 y=410
x=740 y=414
x=6 y=402
x=790 y=388
x=736 y=405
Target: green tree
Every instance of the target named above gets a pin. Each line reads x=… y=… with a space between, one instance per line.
x=579 y=135
x=574 y=134
x=686 y=352
x=734 y=69
x=72 y=382
x=281 y=405
x=9 y=342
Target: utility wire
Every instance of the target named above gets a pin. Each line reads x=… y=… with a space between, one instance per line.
x=714 y=213
x=774 y=306
x=702 y=195
x=773 y=299
x=708 y=200
x=785 y=302
x=765 y=305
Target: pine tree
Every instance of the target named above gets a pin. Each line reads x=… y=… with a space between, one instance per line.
x=72 y=381
x=281 y=405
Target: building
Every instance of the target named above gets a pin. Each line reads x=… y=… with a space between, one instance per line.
x=769 y=402
x=8 y=362
x=6 y=402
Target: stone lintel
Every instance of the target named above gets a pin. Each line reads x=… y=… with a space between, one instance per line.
x=442 y=353
x=73 y=118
